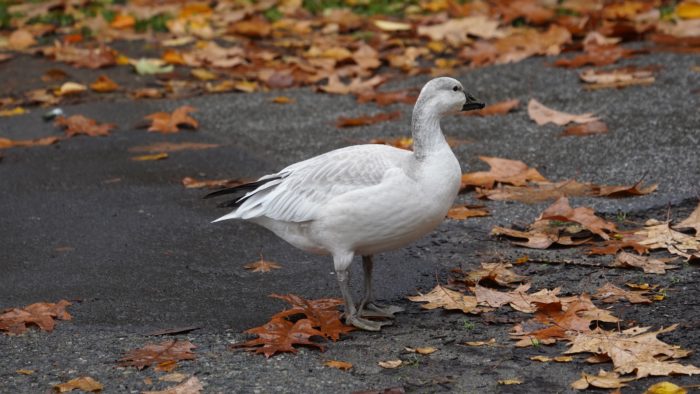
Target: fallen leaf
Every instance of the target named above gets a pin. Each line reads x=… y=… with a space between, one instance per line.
x=356 y=86
x=500 y=108
x=558 y=359
x=101 y=56
x=635 y=349
x=585 y=216
x=146 y=93
x=610 y=293
x=498 y=273
x=441 y=297
x=122 y=21
x=618 y=77
x=509 y=382
x=342 y=365
x=166 y=366
x=13 y=112
x=456 y=31
x=692 y=221
x=665 y=387
x=604 y=379
x=391 y=26
x=408 y=96
x=612 y=246
x=190 y=386
x=163 y=122
x=104 y=84
x=8 y=143
x=262 y=265
x=153 y=157
x=366 y=120
x=157 y=353
x=145 y=66
x=514 y=172
x=84 y=383
x=24 y=371
x=81 y=125
x=21 y=39
x=322 y=313
x=70 y=88
x=173 y=147
x=490 y=342
x=54 y=75
x=282 y=100
x=586 y=129
x=543 y=115
x=280 y=335
x=660 y=236
x=15 y=321
x=203 y=74
x=390 y=364
x=192 y=183
x=174 y=377
x=597 y=55
x=648 y=264
x=466 y=211
x=421 y=350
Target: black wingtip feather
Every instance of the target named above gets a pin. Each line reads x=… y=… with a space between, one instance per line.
x=246 y=187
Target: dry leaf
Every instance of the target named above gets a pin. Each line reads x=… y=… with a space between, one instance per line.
x=391 y=26
x=84 y=383
x=605 y=380
x=597 y=55
x=514 y=172
x=25 y=371
x=7 y=143
x=81 y=125
x=648 y=264
x=562 y=211
x=20 y=39
x=262 y=265
x=661 y=236
x=13 y=112
x=322 y=314
x=421 y=350
x=456 y=31
x=401 y=142
x=490 y=342
x=203 y=74
x=366 y=120
x=441 y=297
x=356 y=86
x=692 y=221
x=665 y=388
x=104 y=84
x=500 y=108
x=153 y=157
x=282 y=100
x=280 y=335
x=590 y=128
x=157 y=353
x=618 y=77
x=543 y=115
x=15 y=321
x=174 y=377
x=498 y=273
x=342 y=365
x=467 y=211
x=166 y=366
x=54 y=75
x=190 y=386
x=90 y=58
x=508 y=382
x=163 y=122
x=70 y=88
x=610 y=293
x=390 y=364
x=173 y=147
x=612 y=246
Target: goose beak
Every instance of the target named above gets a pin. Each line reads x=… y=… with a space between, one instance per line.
x=471 y=103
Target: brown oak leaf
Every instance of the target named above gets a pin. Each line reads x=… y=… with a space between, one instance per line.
x=322 y=313
x=15 y=321
x=514 y=172
x=163 y=122
x=157 y=353
x=280 y=335
x=81 y=125
x=585 y=216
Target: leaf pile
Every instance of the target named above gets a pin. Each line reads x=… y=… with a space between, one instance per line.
x=280 y=334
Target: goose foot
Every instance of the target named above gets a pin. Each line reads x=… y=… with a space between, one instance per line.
x=364 y=324
x=374 y=309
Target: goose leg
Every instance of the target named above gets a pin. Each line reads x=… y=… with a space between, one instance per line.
x=368 y=307
x=351 y=317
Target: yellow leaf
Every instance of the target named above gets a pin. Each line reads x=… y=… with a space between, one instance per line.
x=203 y=74
x=342 y=365
x=157 y=156
x=391 y=26
x=510 y=381
x=246 y=86
x=69 y=88
x=522 y=260
x=24 y=371
x=543 y=359
x=665 y=388
x=171 y=56
x=13 y=112
x=390 y=364
x=436 y=46
x=688 y=10
x=104 y=84
x=563 y=359
x=84 y=383
x=122 y=60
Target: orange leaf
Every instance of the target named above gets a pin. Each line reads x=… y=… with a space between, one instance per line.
x=262 y=265
x=158 y=353
x=8 y=143
x=84 y=383
x=79 y=124
x=172 y=56
x=465 y=212
x=122 y=21
x=104 y=84
x=590 y=128
x=366 y=120
x=597 y=55
x=15 y=321
x=342 y=365
x=562 y=211
x=514 y=172
x=322 y=313
x=163 y=122
x=153 y=157
x=279 y=335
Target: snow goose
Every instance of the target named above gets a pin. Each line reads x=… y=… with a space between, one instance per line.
x=363 y=199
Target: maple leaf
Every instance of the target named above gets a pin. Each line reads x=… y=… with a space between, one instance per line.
x=44 y=141
x=81 y=125
x=498 y=273
x=692 y=221
x=366 y=120
x=322 y=313
x=15 y=321
x=189 y=386
x=157 y=353
x=634 y=349
x=610 y=293
x=502 y=170
x=84 y=383
x=517 y=299
x=543 y=191
x=262 y=265
x=280 y=335
x=648 y=264
x=660 y=236
x=527 y=9
x=441 y=297
x=499 y=108
x=543 y=115
x=163 y=122
x=562 y=211
x=467 y=211
x=604 y=379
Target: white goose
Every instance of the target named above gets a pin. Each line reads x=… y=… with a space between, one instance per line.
x=363 y=199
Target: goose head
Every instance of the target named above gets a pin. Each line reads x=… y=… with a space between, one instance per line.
x=445 y=96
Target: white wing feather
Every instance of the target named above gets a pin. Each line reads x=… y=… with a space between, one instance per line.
x=306 y=186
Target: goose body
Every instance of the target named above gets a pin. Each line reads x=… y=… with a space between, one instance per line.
x=363 y=199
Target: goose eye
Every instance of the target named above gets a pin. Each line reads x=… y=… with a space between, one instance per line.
x=456 y=88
